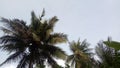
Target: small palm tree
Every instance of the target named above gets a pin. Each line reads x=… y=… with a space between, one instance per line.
x=81 y=54
x=109 y=58
x=32 y=44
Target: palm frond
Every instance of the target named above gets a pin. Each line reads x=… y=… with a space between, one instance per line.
x=69 y=58
x=18 y=27
x=14 y=24
x=13 y=57
x=105 y=54
x=42 y=15
x=59 y=53
x=35 y=22
x=23 y=62
x=13 y=47
x=74 y=46
x=51 y=61
x=73 y=62
x=7 y=39
x=52 y=23
x=57 y=38
x=12 y=43
x=54 y=51
x=7 y=31
x=113 y=44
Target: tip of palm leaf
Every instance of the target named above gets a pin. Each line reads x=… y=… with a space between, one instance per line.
x=2 y=64
x=43 y=13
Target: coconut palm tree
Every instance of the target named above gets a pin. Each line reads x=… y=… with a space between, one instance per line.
x=32 y=44
x=109 y=58
x=81 y=55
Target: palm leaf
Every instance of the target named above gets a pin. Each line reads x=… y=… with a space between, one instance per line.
x=8 y=38
x=57 y=38
x=69 y=58
x=42 y=15
x=113 y=44
x=54 y=51
x=106 y=55
x=59 y=53
x=15 y=27
x=13 y=57
x=7 y=31
x=52 y=23
x=35 y=22
x=23 y=62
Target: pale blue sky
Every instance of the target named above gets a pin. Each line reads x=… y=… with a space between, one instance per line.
x=93 y=20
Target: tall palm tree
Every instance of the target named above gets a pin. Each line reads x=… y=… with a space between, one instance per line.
x=32 y=44
x=109 y=58
x=81 y=55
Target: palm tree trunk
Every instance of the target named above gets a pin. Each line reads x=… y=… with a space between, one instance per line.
x=30 y=65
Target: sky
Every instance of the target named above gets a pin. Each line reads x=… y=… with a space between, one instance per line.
x=93 y=20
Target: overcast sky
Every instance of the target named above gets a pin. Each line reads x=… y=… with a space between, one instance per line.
x=93 y=20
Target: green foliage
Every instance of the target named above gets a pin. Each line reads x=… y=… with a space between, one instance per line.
x=109 y=58
x=81 y=54
x=113 y=44
x=34 y=43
